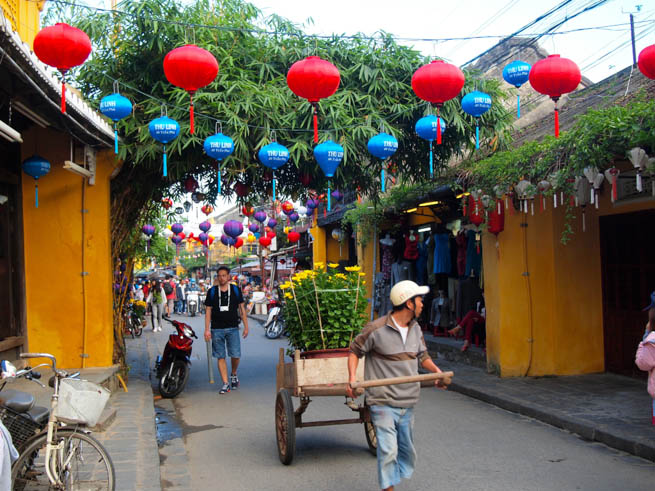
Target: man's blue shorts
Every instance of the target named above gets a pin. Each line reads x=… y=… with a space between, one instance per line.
x=229 y=336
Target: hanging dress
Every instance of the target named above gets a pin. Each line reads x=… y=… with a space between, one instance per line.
x=442 y=254
x=421 y=263
x=473 y=255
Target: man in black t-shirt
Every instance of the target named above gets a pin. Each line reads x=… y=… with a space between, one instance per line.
x=225 y=307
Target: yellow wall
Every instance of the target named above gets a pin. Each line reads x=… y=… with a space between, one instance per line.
x=53 y=256
x=23 y=16
x=556 y=311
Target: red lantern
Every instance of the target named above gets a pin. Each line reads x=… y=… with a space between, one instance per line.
x=247 y=210
x=190 y=184
x=264 y=241
x=241 y=189
x=238 y=243
x=271 y=234
x=305 y=179
x=497 y=218
x=438 y=82
x=207 y=209
x=63 y=47
x=313 y=79
x=181 y=235
x=476 y=211
x=554 y=76
x=293 y=236
x=646 y=61
x=166 y=203
x=190 y=68
x=287 y=207
x=210 y=239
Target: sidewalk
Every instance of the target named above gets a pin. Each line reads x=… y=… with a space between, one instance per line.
x=606 y=408
x=131 y=438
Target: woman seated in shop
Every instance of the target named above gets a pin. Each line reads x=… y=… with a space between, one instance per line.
x=472 y=324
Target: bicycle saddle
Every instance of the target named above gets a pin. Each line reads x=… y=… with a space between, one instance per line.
x=39 y=414
x=21 y=402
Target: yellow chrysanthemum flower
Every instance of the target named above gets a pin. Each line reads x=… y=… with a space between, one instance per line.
x=333 y=265
x=319 y=265
x=288 y=295
x=284 y=286
x=353 y=269
x=362 y=274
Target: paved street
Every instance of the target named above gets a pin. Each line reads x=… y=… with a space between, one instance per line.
x=228 y=441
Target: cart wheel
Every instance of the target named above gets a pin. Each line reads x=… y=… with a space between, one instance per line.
x=285 y=426
x=371 y=438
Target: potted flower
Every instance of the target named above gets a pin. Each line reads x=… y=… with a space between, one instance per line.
x=324 y=309
x=139 y=307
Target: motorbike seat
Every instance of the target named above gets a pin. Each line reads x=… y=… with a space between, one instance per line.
x=18 y=401
x=39 y=414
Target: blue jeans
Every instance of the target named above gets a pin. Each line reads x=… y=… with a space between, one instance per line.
x=229 y=337
x=396 y=454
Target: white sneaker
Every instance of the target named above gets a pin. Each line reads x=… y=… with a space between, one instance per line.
x=159 y=328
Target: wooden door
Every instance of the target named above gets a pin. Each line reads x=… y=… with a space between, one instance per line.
x=628 y=275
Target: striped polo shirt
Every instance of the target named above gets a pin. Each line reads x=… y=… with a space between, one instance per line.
x=387 y=356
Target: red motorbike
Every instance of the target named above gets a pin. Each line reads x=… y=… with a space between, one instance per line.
x=173 y=367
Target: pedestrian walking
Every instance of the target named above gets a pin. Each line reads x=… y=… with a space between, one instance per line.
x=157 y=301
x=169 y=290
x=645 y=357
x=392 y=344
x=179 y=297
x=224 y=307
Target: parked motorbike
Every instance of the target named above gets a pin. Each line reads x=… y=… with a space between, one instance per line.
x=173 y=366
x=274 y=325
x=133 y=322
x=192 y=302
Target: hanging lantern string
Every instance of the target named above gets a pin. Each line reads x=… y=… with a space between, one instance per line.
x=613 y=27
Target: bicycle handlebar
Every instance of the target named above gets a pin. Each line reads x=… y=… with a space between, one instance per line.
x=43 y=355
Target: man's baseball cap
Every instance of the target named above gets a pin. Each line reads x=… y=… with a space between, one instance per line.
x=406 y=290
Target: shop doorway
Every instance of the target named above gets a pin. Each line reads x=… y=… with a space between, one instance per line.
x=628 y=276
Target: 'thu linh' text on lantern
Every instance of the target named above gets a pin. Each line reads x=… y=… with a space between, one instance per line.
x=328 y=155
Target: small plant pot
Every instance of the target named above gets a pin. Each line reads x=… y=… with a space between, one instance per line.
x=325 y=353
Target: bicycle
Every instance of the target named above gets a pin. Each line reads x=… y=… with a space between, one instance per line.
x=65 y=456
x=133 y=324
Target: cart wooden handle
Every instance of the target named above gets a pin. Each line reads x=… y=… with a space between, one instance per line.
x=446 y=377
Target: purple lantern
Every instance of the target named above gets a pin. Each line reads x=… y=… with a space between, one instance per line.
x=176 y=239
x=337 y=195
x=260 y=216
x=312 y=204
x=225 y=240
x=177 y=228
x=148 y=230
x=253 y=227
x=233 y=228
x=205 y=226
x=203 y=237
x=272 y=223
x=293 y=218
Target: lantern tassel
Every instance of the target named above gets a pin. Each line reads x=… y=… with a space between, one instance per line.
x=165 y=169
x=382 y=183
x=498 y=204
x=640 y=186
x=63 y=93
x=329 y=200
x=438 y=128
x=518 y=106
x=556 y=123
x=477 y=135
x=464 y=207
x=614 y=188
x=220 y=184
x=555 y=200
x=273 y=186
x=431 y=166
x=36 y=195
x=115 y=139
x=191 y=116
x=315 y=117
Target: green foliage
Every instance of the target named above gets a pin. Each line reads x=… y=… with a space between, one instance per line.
x=159 y=248
x=324 y=309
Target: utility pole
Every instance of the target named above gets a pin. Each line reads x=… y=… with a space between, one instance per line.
x=632 y=33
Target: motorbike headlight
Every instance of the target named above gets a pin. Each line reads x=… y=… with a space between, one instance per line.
x=188 y=332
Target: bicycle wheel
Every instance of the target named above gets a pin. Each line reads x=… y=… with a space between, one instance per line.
x=83 y=464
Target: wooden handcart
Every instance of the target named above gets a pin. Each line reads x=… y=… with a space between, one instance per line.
x=306 y=378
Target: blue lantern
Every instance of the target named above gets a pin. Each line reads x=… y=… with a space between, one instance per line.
x=328 y=155
x=426 y=128
x=219 y=146
x=273 y=156
x=115 y=107
x=164 y=130
x=517 y=73
x=382 y=146
x=36 y=166
x=476 y=103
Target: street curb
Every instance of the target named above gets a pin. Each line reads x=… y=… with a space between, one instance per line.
x=643 y=448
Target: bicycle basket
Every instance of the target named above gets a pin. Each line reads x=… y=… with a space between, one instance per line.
x=20 y=426
x=81 y=402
